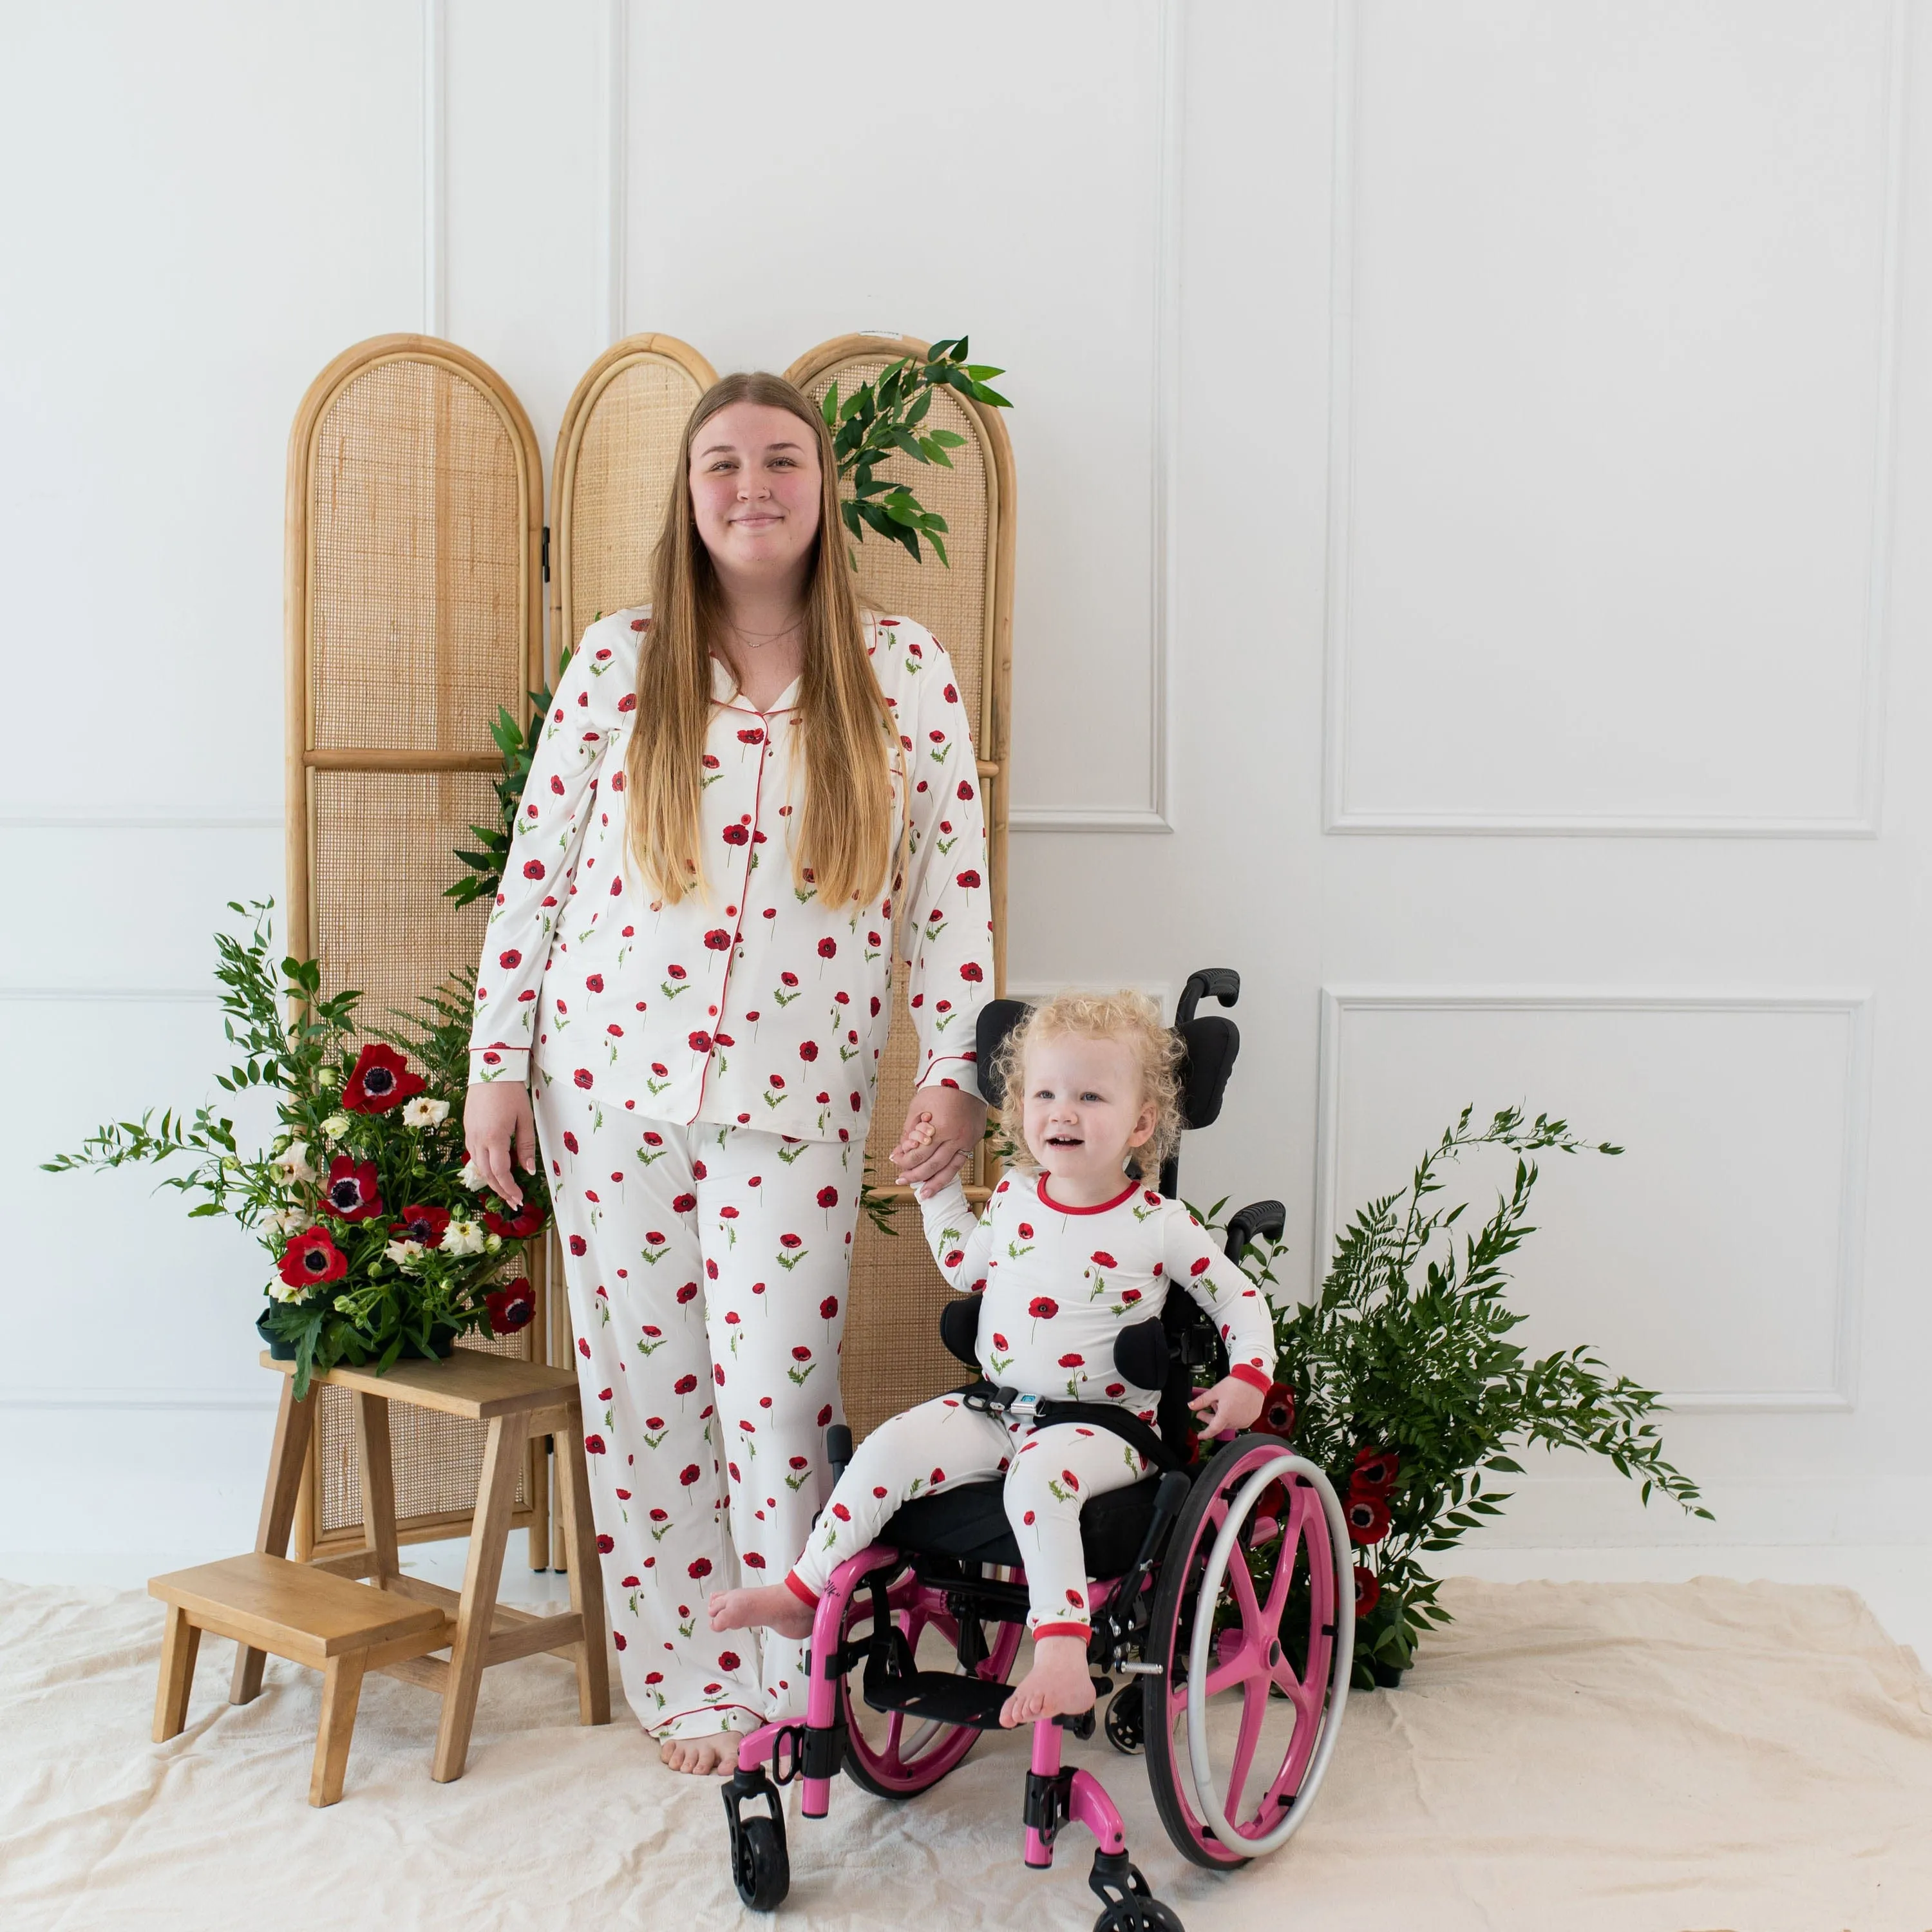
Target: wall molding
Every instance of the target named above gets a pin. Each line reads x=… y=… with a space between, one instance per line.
x=194 y=996
x=436 y=168
x=104 y=1400
x=613 y=112
x=1841 y=1394
x=1338 y=815
x=1163 y=574
x=109 y=821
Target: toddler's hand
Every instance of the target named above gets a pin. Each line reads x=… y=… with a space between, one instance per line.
x=1231 y=1404
x=914 y=1142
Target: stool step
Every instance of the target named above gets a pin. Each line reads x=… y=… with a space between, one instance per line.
x=293 y=1611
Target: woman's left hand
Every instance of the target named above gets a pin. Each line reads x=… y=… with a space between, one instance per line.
x=928 y=1160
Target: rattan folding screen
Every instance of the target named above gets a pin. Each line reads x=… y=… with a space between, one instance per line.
x=414 y=542
x=414 y=609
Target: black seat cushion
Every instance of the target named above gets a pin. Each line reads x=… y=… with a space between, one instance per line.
x=969 y=1523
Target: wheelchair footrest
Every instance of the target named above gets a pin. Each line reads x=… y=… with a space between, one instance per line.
x=942 y=1696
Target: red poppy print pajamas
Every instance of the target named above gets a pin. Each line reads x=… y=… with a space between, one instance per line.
x=702 y=1075
x=1060 y=1284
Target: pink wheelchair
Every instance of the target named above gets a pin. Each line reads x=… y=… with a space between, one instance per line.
x=1223 y=1606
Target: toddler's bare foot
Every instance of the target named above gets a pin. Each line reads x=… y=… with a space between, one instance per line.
x=1057 y=1685
x=713 y=1756
x=771 y=1606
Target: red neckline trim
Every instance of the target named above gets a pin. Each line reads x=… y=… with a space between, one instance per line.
x=1046 y=1200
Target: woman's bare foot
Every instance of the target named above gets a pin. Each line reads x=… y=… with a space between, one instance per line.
x=1057 y=1685
x=713 y=1756
x=770 y=1607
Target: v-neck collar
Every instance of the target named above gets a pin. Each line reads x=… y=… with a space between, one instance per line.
x=724 y=691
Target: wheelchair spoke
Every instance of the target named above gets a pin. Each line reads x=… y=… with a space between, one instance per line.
x=1243 y=1585
x=1292 y=1533
x=1254 y=1709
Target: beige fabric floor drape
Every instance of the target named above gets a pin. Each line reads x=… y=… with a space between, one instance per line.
x=1568 y=1757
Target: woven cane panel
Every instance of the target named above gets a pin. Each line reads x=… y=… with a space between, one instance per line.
x=950 y=603
x=437 y=1459
x=416 y=532
x=626 y=463
x=893 y=1356
x=381 y=852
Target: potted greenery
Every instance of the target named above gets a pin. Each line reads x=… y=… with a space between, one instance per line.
x=384 y=1241
x=1400 y=1381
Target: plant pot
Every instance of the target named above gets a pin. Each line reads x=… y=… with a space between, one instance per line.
x=441 y=1344
x=280 y=1349
x=1388 y=1676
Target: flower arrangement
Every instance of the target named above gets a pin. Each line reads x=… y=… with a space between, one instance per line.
x=1399 y=1381
x=383 y=1240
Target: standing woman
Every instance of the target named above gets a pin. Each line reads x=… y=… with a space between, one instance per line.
x=688 y=968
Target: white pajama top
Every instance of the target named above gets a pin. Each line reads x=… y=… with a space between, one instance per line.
x=752 y=1003
x=1060 y=1283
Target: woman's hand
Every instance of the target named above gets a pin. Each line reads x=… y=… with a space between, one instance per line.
x=497 y=1122
x=1231 y=1404
x=942 y=1126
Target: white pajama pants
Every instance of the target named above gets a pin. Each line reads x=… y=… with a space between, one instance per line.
x=1049 y=1472
x=707 y=1268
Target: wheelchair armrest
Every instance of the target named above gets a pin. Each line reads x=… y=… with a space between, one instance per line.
x=959 y=1328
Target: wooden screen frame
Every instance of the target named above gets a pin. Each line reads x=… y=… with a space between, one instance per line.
x=302 y=759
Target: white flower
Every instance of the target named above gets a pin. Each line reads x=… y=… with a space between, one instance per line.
x=292 y=1163
x=327 y=1077
x=422 y=1111
x=284 y=1291
x=463 y=1237
x=493 y=1242
x=288 y=1221
x=335 y=1127
x=404 y=1254
x=473 y=1177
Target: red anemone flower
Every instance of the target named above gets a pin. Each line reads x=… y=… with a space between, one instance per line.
x=1368 y=1590
x=425 y=1225
x=1277 y=1415
x=382 y=1080
x=350 y=1190
x=1368 y=1520
x=517 y=1227
x=312 y=1257
x=1375 y=1471
x=512 y=1307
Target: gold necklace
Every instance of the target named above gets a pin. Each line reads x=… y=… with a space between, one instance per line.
x=752 y=642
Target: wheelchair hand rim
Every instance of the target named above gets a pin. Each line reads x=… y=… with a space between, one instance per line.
x=1213 y=1814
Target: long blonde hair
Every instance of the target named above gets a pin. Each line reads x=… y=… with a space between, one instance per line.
x=844 y=837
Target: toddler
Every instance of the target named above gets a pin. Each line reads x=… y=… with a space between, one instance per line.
x=1070 y=1251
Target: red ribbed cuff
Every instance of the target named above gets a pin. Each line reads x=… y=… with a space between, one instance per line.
x=1082 y=1631
x=1253 y=1378
x=803 y=1592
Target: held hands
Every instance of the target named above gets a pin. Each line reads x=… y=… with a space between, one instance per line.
x=1231 y=1404
x=942 y=1127
x=497 y=1123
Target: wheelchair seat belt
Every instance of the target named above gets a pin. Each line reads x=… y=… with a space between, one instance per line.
x=989 y=1399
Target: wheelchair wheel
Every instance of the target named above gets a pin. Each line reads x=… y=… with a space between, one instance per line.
x=888 y=1753
x=762 y=1868
x=1256 y=1639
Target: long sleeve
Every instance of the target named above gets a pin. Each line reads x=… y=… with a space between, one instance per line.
x=962 y=1241
x=946 y=926
x=1237 y=1306
x=538 y=875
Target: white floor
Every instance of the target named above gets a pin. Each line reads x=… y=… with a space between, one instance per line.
x=1894 y=1580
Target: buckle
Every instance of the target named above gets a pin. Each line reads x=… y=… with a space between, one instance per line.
x=999 y=1401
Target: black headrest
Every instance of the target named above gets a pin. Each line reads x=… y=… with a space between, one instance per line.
x=1209 y=1044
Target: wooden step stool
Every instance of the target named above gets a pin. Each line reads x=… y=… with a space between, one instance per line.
x=317 y=1614
x=340 y=1628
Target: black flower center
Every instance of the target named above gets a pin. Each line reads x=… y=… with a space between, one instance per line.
x=378 y=1080
x=344 y=1194
x=314 y=1261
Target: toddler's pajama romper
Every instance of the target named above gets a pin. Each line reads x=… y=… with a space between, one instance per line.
x=1060 y=1284
x=702 y=1075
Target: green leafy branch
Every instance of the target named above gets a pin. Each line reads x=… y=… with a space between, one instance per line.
x=886 y=417
x=1407 y=1348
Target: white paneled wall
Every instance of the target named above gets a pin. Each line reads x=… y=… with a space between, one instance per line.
x=1496 y=427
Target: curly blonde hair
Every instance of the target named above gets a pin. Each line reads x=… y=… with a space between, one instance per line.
x=1133 y=1021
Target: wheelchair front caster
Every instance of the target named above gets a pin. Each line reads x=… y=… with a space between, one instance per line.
x=760 y=1867
x=1128 y=1906
x=1126 y=1718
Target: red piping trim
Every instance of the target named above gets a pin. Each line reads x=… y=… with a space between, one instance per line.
x=1126 y=1193
x=731 y=958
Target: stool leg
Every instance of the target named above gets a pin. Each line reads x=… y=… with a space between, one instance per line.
x=489 y=1531
x=341 y=1691
x=586 y=1576
x=180 y=1644
x=379 y=1484
x=294 y=1422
